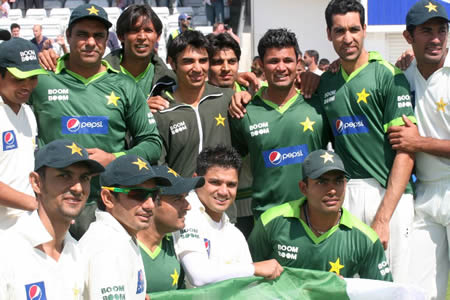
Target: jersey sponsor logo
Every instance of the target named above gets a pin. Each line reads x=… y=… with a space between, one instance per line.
x=35 y=291
x=285 y=156
x=140 y=282
x=207 y=246
x=113 y=292
x=384 y=268
x=28 y=55
x=289 y=252
x=350 y=125
x=178 y=127
x=329 y=97
x=404 y=101
x=9 y=140
x=151 y=119
x=188 y=233
x=58 y=94
x=84 y=125
x=259 y=129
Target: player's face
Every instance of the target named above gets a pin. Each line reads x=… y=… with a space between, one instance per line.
x=15 y=91
x=192 y=67
x=63 y=192
x=280 y=67
x=307 y=59
x=15 y=32
x=132 y=213
x=169 y=214
x=37 y=31
x=140 y=41
x=347 y=35
x=219 y=191
x=223 y=68
x=429 y=41
x=87 y=42
x=325 y=194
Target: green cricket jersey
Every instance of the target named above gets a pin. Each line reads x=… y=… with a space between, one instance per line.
x=163 y=271
x=153 y=81
x=96 y=112
x=360 y=108
x=349 y=248
x=278 y=139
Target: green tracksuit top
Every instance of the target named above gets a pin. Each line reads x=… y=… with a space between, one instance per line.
x=163 y=271
x=186 y=130
x=360 y=108
x=278 y=139
x=349 y=248
x=96 y=112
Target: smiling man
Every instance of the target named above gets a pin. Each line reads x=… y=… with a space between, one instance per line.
x=315 y=232
x=163 y=271
x=92 y=103
x=130 y=189
x=39 y=258
x=361 y=101
x=280 y=128
x=19 y=68
x=210 y=248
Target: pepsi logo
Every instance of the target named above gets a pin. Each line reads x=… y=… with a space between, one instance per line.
x=8 y=138
x=35 y=292
x=73 y=124
x=275 y=157
x=339 y=125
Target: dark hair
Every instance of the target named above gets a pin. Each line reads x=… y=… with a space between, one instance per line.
x=3 y=71
x=14 y=25
x=341 y=7
x=224 y=40
x=218 y=156
x=192 y=38
x=277 y=38
x=314 y=54
x=324 y=61
x=130 y=16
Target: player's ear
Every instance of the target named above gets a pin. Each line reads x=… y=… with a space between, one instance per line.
x=36 y=182
x=107 y=198
x=303 y=187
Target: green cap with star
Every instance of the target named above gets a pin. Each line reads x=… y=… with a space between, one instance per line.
x=63 y=153
x=130 y=170
x=321 y=161
x=19 y=57
x=90 y=11
x=180 y=185
x=424 y=10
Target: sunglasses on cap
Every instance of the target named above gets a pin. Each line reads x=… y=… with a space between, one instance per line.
x=137 y=193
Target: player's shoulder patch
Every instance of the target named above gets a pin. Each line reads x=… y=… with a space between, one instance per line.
x=361 y=226
x=288 y=209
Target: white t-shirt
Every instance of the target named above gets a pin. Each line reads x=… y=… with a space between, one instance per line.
x=221 y=242
x=114 y=265
x=432 y=99
x=28 y=273
x=17 y=145
x=318 y=72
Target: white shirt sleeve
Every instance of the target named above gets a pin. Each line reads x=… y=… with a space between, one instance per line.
x=200 y=270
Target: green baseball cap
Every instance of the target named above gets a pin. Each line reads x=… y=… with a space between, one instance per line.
x=129 y=170
x=321 y=161
x=90 y=11
x=180 y=185
x=20 y=58
x=424 y=10
x=63 y=153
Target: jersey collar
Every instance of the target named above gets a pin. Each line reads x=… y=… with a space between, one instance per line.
x=373 y=56
x=140 y=76
x=279 y=109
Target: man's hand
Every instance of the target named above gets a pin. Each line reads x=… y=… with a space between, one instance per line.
x=382 y=229
x=404 y=138
x=48 y=59
x=405 y=60
x=334 y=66
x=269 y=269
x=309 y=82
x=249 y=80
x=104 y=158
x=157 y=103
x=238 y=103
